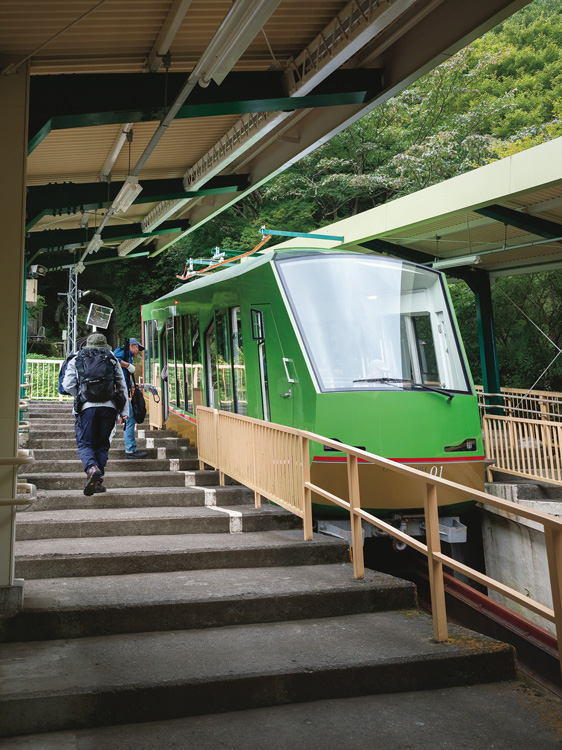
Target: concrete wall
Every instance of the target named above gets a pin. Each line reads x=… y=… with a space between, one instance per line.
x=515 y=551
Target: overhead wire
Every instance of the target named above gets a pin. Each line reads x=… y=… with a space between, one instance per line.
x=12 y=67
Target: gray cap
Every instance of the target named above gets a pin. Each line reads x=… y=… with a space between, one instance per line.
x=96 y=341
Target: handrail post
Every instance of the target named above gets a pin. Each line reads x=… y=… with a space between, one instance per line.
x=257 y=496
x=354 y=504
x=553 y=541
x=436 y=582
x=199 y=416
x=218 y=444
x=306 y=492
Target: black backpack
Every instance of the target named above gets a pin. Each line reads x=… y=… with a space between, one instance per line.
x=95 y=370
x=62 y=371
x=138 y=403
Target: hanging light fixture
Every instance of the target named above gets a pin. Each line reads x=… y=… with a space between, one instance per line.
x=128 y=193
x=233 y=37
x=94 y=245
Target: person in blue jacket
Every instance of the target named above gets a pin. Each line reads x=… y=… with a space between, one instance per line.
x=126 y=362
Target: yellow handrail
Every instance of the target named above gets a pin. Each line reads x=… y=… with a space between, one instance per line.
x=273 y=460
x=24 y=457
x=22 y=487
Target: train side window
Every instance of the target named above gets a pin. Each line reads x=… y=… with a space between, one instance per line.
x=258 y=334
x=211 y=363
x=426 y=350
x=257 y=324
x=180 y=374
x=224 y=361
x=187 y=359
x=171 y=362
x=152 y=352
x=197 y=373
x=147 y=351
x=238 y=364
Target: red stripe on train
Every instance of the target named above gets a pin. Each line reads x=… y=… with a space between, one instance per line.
x=457 y=459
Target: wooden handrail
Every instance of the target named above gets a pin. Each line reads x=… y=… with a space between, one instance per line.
x=282 y=472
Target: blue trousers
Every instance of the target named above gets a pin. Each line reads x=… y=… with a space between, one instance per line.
x=93 y=428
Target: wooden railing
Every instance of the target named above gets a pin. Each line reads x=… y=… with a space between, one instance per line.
x=523 y=433
x=273 y=460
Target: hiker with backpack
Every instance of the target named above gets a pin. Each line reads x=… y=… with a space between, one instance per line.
x=132 y=347
x=96 y=381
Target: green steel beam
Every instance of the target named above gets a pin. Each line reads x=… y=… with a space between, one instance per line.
x=56 y=239
x=58 y=261
x=77 y=101
x=69 y=198
x=398 y=251
x=532 y=224
x=308 y=235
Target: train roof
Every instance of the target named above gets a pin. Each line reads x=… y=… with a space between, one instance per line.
x=260 y=259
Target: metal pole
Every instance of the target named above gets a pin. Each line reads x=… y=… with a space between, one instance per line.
x=72 y=311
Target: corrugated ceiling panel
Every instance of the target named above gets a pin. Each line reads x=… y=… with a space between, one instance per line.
x=78 y=155
x=118 y=36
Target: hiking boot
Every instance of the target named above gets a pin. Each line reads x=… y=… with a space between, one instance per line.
x=137 y=454
x=94 y=476
x=99 y=488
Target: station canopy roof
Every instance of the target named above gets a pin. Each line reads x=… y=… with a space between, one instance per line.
x=504 y=218
x=216 y=96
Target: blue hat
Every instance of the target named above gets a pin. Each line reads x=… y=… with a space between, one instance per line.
x=132 y=342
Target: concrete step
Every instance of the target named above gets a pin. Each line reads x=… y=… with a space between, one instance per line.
x=85 y=607
x=57 y=430
x=123 y=497
x=41 y=466
x=132 y=479
x=106 y=522
x=99 y=556
x=69 y=443
x=503 y=716
x=70 y=684
x=40 y=409
x=117 y=451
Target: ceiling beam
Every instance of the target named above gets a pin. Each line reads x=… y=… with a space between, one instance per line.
x=69 y=198
x=59 y=102
x=50 y=239
x=54 y=261
x=550 y=230
x=398 y=251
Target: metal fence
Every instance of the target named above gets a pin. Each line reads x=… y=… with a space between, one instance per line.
x=43 y=378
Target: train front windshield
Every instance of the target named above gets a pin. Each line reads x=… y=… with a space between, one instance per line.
x=370 y=323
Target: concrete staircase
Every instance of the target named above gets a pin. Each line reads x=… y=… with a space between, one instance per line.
x=170 y=597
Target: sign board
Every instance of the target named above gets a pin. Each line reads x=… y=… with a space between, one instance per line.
x=99 y=316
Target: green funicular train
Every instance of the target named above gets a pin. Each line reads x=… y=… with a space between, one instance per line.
x=355 y=347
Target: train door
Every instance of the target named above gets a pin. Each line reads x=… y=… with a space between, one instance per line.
x=167 y=347
x=277 y=381
x=211 y=372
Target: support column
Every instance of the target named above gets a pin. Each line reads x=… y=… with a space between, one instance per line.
x=14 y=105
x=479 y=283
